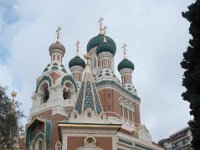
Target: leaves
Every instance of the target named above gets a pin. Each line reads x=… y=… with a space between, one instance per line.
x=9 y=120
x=191 y=64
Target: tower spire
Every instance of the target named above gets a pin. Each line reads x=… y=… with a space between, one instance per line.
x=77 y=48
x=58 y=33
x=100 y=25
x=124 y=48
x=88 y=97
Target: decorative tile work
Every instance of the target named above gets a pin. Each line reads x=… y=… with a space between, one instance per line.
x=118 y=86
x=97 y=101
x=88 y=97
x=79 y=102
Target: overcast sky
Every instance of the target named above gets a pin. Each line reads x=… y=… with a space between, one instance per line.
x=154 y=30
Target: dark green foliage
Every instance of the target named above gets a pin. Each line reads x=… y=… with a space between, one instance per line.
x=9 y=119
x=191 y=64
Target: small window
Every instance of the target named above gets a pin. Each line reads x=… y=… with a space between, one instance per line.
x=90 y=141
x=101 y=117
x=108 y=95
x=89 y=114
x=121 y=110
x=125 y=113
x=75 y=116
x=94 y=62
x=130 y=115
x=109 y=107
x=58 y=57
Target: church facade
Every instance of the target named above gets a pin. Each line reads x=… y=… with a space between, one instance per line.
x=89 y=108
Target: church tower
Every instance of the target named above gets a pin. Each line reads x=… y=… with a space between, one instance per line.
x=89 y=108
x=126 y=68
x=52 y=100
x=77 y=66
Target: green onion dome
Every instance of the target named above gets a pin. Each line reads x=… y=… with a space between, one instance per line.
x=56 y=46
x=95 y=41
x=106 y=47
x=125 y=63
x=77 y=61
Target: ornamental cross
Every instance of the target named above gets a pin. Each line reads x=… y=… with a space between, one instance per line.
x=58 y=32
x=100 y=22
x=124 y=47
x=104 y=30
x=77 y=48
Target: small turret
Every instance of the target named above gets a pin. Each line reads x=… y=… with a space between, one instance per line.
x=77 y=65
x=126 y=68
x=57 y=50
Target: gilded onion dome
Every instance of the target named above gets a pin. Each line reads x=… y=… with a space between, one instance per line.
x=55 y=47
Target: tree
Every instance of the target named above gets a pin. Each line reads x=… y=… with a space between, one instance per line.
x=191 y=64
x=9 y=120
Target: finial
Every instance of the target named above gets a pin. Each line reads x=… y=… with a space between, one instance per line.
x=104 y=33
x=58 y=32
x=124 y=47
x=87 y=57
x=77 y=48
x=100 y=25
x=13 y=94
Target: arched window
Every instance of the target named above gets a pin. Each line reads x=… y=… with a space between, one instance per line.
x=45 y=92
x=67 y=91
x=32 y=145
x=94 y=62
x=58 y=57
x=39 y=144
x=89 y=141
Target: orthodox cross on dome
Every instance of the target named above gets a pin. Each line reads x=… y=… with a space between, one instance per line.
x=100 y=25
x=58 y=32
x=104 y=33
x=77 y=48
x=100 y=22
x=124 y=48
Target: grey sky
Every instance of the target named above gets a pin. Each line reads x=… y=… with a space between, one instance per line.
x=154 y=30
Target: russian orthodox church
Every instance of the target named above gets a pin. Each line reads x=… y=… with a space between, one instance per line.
x=89 y=108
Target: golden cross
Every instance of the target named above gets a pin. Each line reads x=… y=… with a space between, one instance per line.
x=58 y=32
x=104 y=30
x=100 y=22
x=124 y=47
x=77 y=48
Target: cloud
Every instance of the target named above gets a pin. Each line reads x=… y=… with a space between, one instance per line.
x=154 y=31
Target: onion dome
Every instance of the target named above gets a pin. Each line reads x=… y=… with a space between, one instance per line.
x=125 y=63
x=77 y=61
x=56 y=46
x=97 y=40
x=106 y=47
